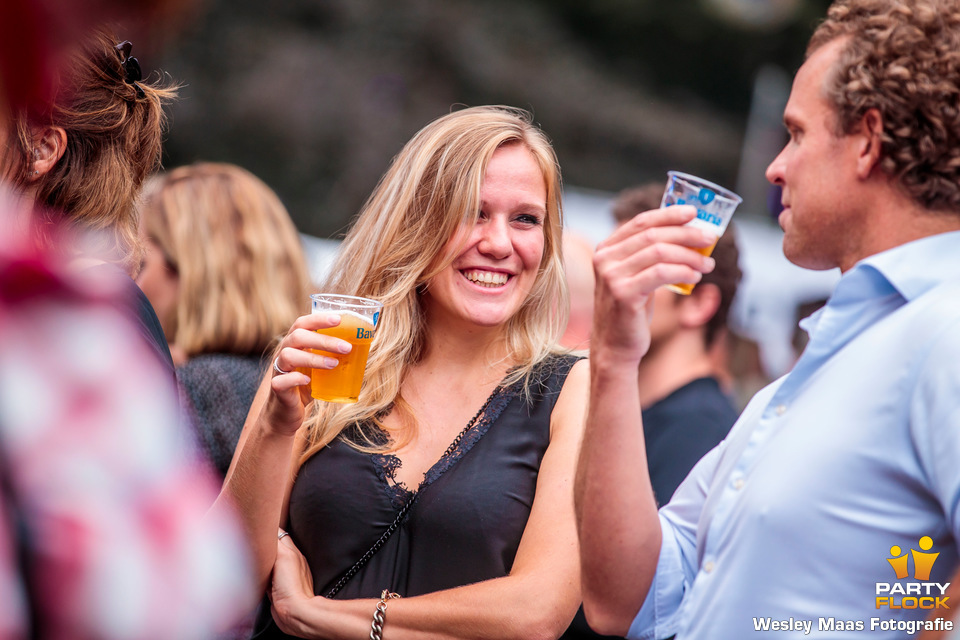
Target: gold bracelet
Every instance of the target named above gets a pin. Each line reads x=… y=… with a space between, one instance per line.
x=376 y=628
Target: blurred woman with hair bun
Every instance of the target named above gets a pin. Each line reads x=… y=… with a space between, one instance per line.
x=80 y=160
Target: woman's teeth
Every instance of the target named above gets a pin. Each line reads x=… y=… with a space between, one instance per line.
x=487 y=278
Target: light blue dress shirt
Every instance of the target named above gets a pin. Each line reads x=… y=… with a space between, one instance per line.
x=792 y=518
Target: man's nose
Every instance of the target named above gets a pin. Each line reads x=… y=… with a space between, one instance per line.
x=774 y=172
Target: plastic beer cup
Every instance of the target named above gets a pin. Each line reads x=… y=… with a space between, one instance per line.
x=359 y=318
x=715 y=206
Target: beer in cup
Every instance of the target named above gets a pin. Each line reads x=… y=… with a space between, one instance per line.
x=359 y=318
x=715 y=206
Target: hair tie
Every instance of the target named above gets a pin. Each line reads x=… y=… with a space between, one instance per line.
x=131 y=66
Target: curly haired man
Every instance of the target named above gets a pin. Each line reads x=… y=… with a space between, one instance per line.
x=788 y=524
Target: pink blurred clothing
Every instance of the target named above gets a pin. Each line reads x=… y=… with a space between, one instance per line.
x=104 y=530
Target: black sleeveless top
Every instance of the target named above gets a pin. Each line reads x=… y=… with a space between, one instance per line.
x=467 y=523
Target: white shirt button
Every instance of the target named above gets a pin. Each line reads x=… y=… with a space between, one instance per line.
x=781 y=409
x=738 y=483
x=708 y=566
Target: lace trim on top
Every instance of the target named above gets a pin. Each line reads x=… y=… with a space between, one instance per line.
x=386 y=464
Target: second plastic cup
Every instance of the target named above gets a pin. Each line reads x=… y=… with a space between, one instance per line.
x=359 y=318
x=715 y=206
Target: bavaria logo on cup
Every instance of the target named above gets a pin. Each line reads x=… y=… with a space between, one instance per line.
x=358 y=324
x=715 y=206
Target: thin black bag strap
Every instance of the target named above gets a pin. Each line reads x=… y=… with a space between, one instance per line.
x=365 y=558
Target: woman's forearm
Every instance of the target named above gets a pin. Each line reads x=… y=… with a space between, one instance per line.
x=503 y=608
x=256 y=487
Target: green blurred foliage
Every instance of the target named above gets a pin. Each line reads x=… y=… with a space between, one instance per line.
x=316 y=96
x=681 y=49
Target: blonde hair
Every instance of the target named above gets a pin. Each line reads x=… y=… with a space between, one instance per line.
x=243 y=274
x=114 y=135
x=430 y=191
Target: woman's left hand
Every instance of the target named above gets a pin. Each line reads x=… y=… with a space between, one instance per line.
x=291 y=586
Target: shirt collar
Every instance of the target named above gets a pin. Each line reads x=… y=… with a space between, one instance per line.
x=910 y=270
x=918 y=266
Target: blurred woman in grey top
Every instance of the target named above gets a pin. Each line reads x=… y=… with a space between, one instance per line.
x=226 y=273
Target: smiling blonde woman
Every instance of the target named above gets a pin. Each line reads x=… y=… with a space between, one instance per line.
x=449 y=482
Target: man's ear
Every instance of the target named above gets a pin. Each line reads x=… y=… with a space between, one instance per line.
x=49 y=146
x=699 y=307
x=871 y=130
